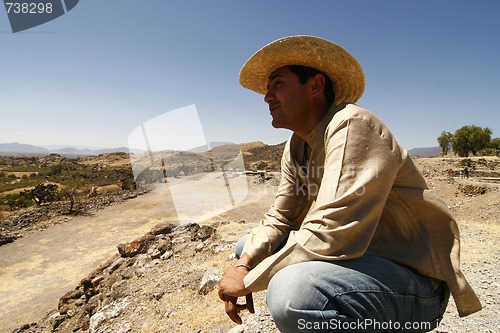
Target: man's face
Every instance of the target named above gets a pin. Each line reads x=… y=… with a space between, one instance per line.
x=287 y=99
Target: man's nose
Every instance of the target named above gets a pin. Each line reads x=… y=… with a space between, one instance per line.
x=269 y=97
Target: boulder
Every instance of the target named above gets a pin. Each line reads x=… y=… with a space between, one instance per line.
x=210 y=280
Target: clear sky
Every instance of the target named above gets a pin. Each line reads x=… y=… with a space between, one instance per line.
x=93 y=75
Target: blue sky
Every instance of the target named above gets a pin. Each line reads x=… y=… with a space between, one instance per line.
x=93 y=75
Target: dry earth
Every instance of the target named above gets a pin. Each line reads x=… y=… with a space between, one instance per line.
x=149 y=292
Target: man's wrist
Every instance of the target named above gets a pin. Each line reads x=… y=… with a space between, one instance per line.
x=244 y=265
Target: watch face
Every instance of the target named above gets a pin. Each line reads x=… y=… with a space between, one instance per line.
x=24 y=15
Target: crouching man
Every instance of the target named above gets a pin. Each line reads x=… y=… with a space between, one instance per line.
x=355 y=241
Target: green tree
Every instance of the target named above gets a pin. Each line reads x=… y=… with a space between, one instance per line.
x=494 y=143
x=41 y=193
x=17 y=201
x=470 y=139
x=445 y=140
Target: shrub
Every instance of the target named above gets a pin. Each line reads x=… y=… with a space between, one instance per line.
x=467 y=162
x=261 y=166
x=489 y=152
x=41 y=193
x=17 y=201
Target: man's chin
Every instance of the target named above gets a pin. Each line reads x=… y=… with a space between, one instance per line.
x=276 y=124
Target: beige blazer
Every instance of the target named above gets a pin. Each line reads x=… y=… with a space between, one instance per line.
x=359 y=192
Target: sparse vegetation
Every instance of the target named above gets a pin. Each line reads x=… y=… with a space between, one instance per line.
x=25 y=181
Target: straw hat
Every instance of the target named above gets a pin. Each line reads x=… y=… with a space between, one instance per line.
x=341 y=67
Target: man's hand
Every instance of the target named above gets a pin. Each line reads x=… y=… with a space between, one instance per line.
x=232 y=283
x=233 y=309
x=231 y=287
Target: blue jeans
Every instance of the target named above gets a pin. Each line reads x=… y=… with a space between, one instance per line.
x=367 y=294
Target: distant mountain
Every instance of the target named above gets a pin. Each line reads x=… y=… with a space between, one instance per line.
x=19 y=148
x=25 y=149
x=425 y=152
x=87 y=152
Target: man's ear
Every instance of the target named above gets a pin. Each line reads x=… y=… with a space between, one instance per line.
x=317 y=84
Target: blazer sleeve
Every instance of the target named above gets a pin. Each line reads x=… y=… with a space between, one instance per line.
x=286 y=214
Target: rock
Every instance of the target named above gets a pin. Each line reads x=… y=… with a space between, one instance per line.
x=199 y=247
x=157 y=295
x=97 y=280
x=58 y=320
x=90 y=292
x=140 y=272
x=6 y=239
x=83 y=321
x=193 y=229
x=167 y=255
x=164 y=244
x=110 y=311
x=93 y=304
x=86 y=283
x=205 y=232
x=115 y=265
x=22 y=328
x=209 y=280
x=69 y=298
x=155 y=254
x=163 y=228
x=95 y=321
x=180 y=247
x=128 y=273
x=138 y=246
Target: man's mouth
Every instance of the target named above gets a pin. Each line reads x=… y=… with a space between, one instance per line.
x=273 y=106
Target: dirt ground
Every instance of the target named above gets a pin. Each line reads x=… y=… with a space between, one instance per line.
x=474 y=201
x=477 y=216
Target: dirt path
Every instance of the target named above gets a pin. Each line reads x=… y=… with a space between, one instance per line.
x=37 y=270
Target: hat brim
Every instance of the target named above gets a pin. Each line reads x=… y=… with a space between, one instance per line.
x=339 y=65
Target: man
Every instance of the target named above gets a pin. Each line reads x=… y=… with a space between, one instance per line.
x=355 y=241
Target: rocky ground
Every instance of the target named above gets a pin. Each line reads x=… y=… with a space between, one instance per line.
x=165 y=281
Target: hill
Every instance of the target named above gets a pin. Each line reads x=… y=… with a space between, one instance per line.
x=425 y=152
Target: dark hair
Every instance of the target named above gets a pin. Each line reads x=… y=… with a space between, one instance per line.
x=305 y=73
